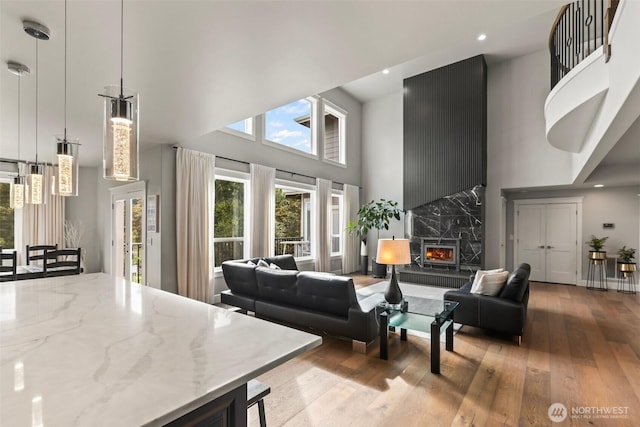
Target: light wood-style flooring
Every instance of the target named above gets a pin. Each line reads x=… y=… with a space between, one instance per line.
x=580 y=348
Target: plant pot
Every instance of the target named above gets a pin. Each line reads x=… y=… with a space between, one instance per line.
x=364 y=264
x=597 y=257
x=627 y=268
x=378 y=270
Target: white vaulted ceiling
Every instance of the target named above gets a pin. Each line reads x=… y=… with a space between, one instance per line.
x=199 y=65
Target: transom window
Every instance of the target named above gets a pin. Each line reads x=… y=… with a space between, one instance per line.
x=292 y=126
x=242 y=128
x=334 y=133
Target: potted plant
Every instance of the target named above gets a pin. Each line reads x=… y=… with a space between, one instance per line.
x=374 y=215
x=597 y=243
x=625 y=263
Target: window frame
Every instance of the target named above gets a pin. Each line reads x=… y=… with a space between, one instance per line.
x=341 y=114
x=244 y=178
x=17 y=217
x=341 y=227
x=313 y=233
x=246 y=135
x=313 y=128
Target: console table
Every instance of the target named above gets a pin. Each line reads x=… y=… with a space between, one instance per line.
x=100 y=351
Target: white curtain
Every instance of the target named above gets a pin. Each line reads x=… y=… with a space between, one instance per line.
x=195 y=173
x=43 y=224
x=263 y=180
x=351 y=242
x=323 y=240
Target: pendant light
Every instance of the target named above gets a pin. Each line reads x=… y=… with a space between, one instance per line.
x=35 y=179
x=65 y=183
x=120 y=128
x=16 y=197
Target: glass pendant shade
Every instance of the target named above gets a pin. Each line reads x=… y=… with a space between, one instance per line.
x=16 y=199
x=65 y=183
x=35 y=183
x=120 y=147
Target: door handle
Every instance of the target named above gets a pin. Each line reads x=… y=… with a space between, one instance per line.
x=549 y=247
x=541 y=247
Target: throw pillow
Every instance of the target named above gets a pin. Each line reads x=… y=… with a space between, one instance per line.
x=251 y=263
x=274 y=266
x=491 y=284
x=263 y=263
x=479 y=274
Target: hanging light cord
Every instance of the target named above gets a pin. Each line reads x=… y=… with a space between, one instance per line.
x=19 y=120
x=121 y=46
x=65 y=70
x=36 y=102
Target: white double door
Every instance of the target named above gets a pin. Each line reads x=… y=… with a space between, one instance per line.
x=546 y=238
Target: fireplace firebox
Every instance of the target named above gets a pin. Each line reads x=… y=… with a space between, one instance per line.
x=441 y=252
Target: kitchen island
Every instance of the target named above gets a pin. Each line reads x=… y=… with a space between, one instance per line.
x=94 y=350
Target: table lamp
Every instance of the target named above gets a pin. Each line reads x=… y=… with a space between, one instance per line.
x=393 y=251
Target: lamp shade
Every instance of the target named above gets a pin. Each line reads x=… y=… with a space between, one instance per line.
x=393 y=251
x=36 y=185
x=16 y=201
x=120 y=147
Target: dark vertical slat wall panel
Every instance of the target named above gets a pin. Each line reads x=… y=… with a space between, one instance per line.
x=445 y=131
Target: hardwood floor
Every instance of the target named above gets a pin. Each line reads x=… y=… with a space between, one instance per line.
x=580 y=348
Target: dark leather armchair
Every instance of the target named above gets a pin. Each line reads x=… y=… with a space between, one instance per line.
x=506 y=312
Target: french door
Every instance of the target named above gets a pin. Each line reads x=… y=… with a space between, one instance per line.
x=547 y=239
x=128 y=233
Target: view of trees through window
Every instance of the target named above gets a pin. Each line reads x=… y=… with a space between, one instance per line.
x=293 y=222
x=137 y=250
x=6 y=217
x=228 y=242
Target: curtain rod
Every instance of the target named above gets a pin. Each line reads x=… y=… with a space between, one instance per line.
x=14 y=161
x=175 y=147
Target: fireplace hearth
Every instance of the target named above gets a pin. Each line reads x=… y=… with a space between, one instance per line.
x=440 y=252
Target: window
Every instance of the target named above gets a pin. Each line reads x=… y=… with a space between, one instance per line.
x=334 y=133
x=292 y=126
x=243 y=126
x=294 y=221
x=229 y=219
x=336 y=224
x=7 y=227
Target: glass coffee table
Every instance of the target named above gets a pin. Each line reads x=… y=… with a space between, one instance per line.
x=418 y=314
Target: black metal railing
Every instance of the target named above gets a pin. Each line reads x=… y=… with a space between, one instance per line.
x=580 y=29
x=137 y=253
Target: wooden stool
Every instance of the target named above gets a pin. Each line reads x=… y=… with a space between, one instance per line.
x=256 y=391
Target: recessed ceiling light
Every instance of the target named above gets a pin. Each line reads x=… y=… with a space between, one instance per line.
x=598 y=185
x=385 y=71
x=481 y=37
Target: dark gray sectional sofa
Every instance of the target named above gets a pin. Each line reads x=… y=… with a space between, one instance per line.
x=505 y=313
x=316 y=300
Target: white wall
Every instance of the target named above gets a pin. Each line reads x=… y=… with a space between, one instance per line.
x=382 y=161
x=84 y=210
x=518 y=154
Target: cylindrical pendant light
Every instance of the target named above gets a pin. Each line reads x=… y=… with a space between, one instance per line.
x=35 y=179
x=65 y=182
x=120 y=126
x=16 y=195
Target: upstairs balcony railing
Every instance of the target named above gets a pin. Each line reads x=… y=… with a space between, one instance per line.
x=580 y=29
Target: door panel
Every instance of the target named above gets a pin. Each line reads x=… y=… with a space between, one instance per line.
x=561 y=243
x=531 y=239
x=128 y=236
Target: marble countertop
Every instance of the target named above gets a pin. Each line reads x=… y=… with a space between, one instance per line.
x=93 y=350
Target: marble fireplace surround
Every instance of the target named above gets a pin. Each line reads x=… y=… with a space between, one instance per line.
x=457 y=216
